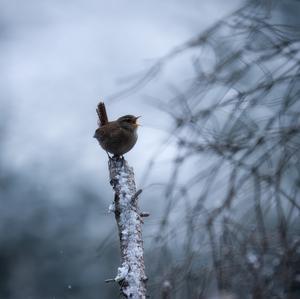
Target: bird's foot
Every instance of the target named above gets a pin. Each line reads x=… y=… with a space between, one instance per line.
x=119 y=158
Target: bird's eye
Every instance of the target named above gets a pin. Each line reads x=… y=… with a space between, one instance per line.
x=129 y=120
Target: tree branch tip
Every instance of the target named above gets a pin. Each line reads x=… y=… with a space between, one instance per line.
x=136 y=195
x=145 y=214
x=110 y=280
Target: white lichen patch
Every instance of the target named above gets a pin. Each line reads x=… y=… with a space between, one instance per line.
x=111 y=208
x=122 y=273
x=129 y=224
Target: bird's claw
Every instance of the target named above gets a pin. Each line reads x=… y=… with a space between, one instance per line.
x=109 y=157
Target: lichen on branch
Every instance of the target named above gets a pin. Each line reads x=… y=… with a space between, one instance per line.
x=131 y=274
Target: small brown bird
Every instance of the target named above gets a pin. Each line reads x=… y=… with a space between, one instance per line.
x=116 y=137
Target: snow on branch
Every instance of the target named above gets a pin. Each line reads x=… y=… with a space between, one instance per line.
x=131 y=274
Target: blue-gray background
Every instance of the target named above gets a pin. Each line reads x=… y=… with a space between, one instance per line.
x=58 y=58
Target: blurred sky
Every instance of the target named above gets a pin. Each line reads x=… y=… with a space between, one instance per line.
x=58 y=58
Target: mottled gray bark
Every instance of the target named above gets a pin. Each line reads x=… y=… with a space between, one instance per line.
x=131 y=274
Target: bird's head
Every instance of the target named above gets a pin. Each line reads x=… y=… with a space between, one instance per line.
x=128 y=122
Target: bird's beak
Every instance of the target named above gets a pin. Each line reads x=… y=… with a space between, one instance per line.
x=136 y=123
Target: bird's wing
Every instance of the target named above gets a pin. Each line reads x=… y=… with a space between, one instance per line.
x=112 y=133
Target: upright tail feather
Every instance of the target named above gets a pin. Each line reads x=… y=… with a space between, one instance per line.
x=101 y=111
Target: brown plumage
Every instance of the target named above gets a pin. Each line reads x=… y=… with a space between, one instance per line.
x=116 y=137
x=101 y=111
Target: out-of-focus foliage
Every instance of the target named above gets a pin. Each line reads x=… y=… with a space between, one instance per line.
x=231 y=219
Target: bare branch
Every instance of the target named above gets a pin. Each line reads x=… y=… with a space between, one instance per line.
x=131 y=275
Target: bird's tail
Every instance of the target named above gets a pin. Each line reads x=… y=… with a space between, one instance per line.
x=101 y=111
